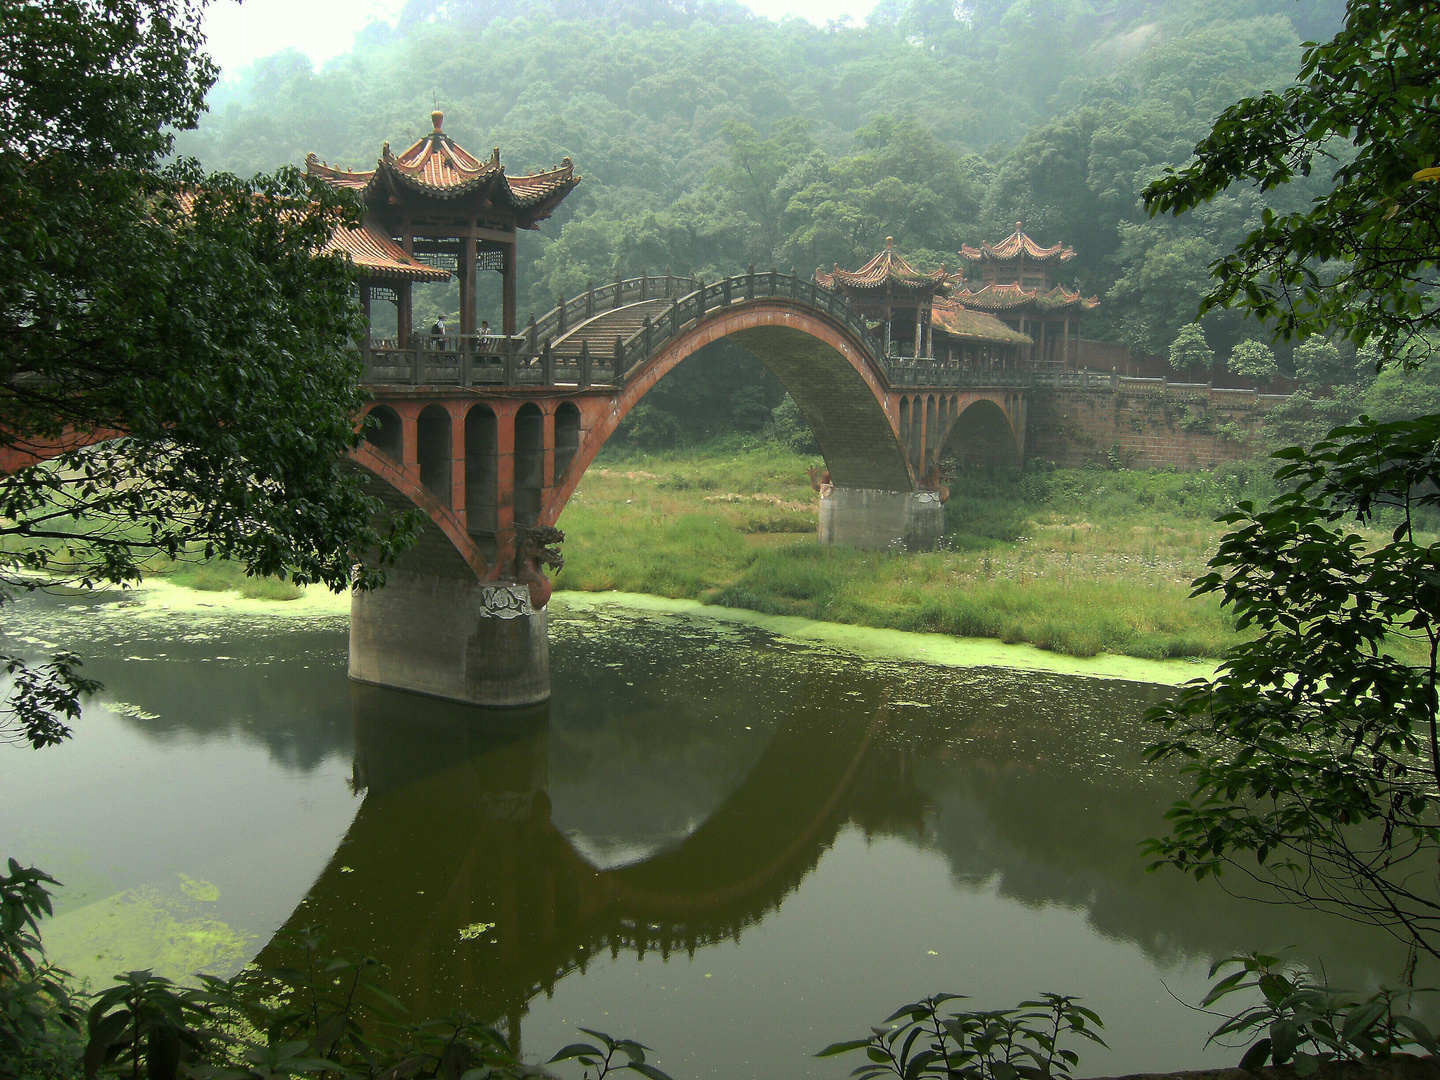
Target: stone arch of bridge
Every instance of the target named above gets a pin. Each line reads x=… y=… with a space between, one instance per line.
x=829 y=374
x=932 y=425
x=445 y=547
x=984 y=432
x=515 y=458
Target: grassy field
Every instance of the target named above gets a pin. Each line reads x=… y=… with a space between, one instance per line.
x=1077 y=561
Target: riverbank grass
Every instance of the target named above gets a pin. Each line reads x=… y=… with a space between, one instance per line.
x=1075 y=561
x=223 y=575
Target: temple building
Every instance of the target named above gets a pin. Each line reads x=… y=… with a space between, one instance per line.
x=435 y=210
x=890 y=291
x=917 y=320
x=1016 y=284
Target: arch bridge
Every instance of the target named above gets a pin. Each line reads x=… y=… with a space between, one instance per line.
x=491 y=435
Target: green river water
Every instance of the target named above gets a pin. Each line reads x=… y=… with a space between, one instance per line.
x=734 y=844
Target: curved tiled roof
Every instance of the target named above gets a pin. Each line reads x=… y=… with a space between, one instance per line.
x=439 y=167
x=960 y=322
x=1011 y=297
x=376 y=255
x=1014 y=246
x=886 y=270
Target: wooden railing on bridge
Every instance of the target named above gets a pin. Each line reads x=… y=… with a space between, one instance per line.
x=540 y=356
x=550 y=354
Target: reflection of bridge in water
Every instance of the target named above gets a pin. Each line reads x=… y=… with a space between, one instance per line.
x=455 y=832
x=457 y=873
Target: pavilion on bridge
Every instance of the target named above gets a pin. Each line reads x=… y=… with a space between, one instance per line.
x=1016 y=285
x=435 y=210
x=918 y=320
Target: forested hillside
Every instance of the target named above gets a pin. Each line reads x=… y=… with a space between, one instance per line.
x=710 y=138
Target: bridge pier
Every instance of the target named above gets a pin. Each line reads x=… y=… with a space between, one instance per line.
x=875 y=520
x=477 y=642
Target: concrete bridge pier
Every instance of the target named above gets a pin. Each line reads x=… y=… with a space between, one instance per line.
x=875 y=520
x=477 y=642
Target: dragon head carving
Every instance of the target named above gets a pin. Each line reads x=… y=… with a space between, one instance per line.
x=536 y=548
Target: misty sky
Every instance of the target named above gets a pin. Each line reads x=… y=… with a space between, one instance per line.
x=240 y=33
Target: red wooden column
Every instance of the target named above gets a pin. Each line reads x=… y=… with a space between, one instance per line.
x=504 y=480
x=509 y=318
x=409 y=412
x=457 y=411
x=403 y=319
x=921 y=423
x=404 y=313
x=465 y=271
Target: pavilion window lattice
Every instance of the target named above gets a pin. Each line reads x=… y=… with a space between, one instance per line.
x=490 y=260
x=384 y=292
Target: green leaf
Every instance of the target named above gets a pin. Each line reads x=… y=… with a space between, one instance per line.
x=1256 y=1056
x=843 y=1047
x=574 y=1050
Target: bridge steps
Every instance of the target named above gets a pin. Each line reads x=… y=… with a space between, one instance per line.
x=601 y=331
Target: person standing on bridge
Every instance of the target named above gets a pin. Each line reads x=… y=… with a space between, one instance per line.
x=437 y=332
x=484 y=335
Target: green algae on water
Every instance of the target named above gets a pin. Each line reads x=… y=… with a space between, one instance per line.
x=938 y=649
x=138 y=929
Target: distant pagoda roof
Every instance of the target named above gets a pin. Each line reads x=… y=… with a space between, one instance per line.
x=376 y=255
x=998 y=298
x=436 y=167
x=888 y=270
x=1014 y=246
x=960 y=322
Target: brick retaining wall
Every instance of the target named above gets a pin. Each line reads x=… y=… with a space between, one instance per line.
x=1145 y=424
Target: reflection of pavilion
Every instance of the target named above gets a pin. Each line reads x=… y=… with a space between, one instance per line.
x=454 y=875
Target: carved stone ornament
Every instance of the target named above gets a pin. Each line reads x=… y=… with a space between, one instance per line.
x=505 y=600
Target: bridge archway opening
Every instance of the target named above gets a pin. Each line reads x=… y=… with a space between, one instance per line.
x=718 y=385
x=826 y=373
x=982 y=438
x=482 y=474
x=567 y=437
x=432 y=447
x=529 y=463
x=385 y=432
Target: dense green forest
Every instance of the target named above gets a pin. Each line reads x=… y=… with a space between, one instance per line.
x=710 y=138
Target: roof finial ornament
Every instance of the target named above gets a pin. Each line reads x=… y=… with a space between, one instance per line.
x=1018 y=225
x=889 y=241
x=437 y=118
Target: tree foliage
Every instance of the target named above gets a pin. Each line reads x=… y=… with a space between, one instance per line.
x=1190 y=350
x=182 y=322
x=1315 y=752
x=710 y=138
x=1359 y=261
x=1253 y=359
